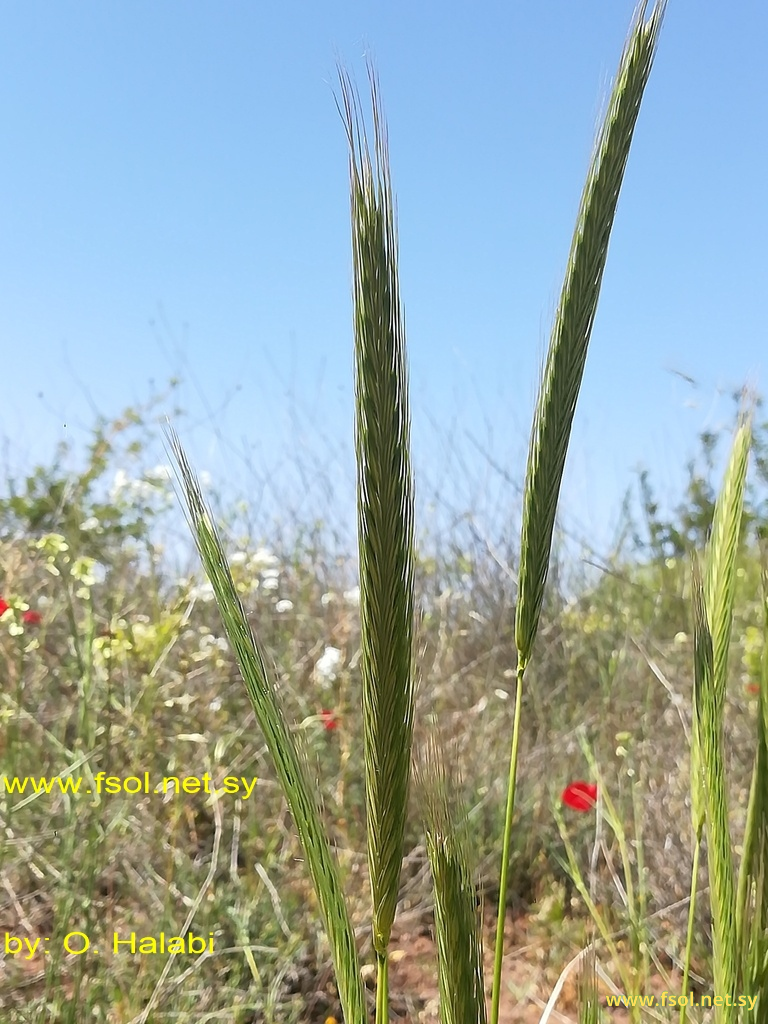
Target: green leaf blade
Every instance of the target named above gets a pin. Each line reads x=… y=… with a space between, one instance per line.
x=289 y=764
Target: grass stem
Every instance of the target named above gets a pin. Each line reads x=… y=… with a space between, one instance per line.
x=498 y=956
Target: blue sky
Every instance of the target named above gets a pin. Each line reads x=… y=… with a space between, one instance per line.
x=174 y=202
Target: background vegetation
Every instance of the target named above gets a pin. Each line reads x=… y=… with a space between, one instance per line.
x=127 y=671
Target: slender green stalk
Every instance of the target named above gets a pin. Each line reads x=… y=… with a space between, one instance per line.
x=752 y=897
x=691 y=923
x=641 y=930
x=573 y=869
x=289 y=764
x=382 y=988
x=498 y=952
x=589 y=1003
x=385 y=517
x=635 y=900
x=563 y=374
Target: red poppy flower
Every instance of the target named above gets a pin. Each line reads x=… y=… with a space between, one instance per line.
x=4 y=606
x=580 y=796
x=329 y=720
x=752 y=688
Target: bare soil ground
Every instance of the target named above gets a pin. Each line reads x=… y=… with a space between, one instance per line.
x=532 y=965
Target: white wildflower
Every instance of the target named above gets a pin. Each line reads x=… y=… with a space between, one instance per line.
x=159 y=474
x=209 y=642
x=119 y=484
x=263 y=559
x=98 y=572
x=327 y=666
